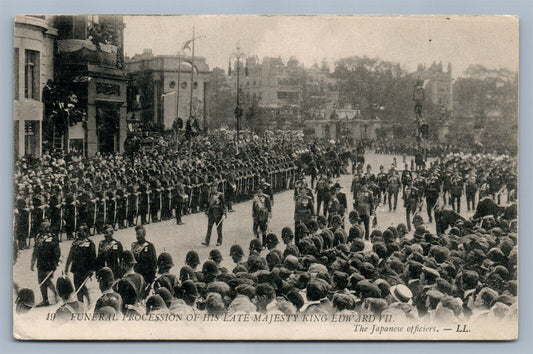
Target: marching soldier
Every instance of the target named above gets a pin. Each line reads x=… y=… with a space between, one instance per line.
x=432 y=195
x=364 y=205
x=109 y=251
x=407 y=178
x=261 y=212
x=456 y=192
x=420 y=184
x=382 y=180
x=82 y=257
x=412 y=200
x=393 y=187
x=215 y=211
x=322 y=194
x=46 y=253
x=304 y=209
x=471 y=190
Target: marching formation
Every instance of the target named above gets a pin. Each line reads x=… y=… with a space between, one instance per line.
x=336 y=258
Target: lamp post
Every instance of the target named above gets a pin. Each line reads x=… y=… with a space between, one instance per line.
x=238 y=54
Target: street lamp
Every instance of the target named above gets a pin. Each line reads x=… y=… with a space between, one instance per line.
x=418 y=97
x=238 y=54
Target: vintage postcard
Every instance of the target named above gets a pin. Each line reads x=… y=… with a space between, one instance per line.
x=253 y=177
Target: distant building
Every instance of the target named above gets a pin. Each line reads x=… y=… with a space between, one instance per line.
x=163 y=85
x=33 y=67
x=438 y=88
x=272 y=84
x=89 y=63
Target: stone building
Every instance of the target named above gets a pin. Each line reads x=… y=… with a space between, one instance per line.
x=89 y=63
x=33 y=67
x=162 y=84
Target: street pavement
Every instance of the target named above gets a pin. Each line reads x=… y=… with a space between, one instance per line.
x=237 y=228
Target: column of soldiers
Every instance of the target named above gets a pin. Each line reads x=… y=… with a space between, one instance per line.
x=141 y=200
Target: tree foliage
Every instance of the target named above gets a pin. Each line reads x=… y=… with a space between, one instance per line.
x=221 y=100
x=368 y=81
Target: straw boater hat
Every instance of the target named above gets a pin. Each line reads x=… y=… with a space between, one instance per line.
x=401 y=293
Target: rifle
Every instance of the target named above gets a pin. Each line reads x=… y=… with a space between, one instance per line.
x=94 y=216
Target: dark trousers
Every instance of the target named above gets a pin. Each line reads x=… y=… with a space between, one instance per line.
x=430 y=203
x=41 y=275
x=366 y=220
x=455 y=201
x=391 y=195
x=471 y=200
x=260 y=226
x=179 y=209
x=319 y=202
x=212 y=221
x=79 y=278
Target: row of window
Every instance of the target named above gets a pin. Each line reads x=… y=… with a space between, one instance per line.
x=31 y=74
x=184 y=84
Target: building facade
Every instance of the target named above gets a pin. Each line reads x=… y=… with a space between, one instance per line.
x=90 y=67
x=272 y=84
x=34 y=38
x=439 y=84
x=163 y=90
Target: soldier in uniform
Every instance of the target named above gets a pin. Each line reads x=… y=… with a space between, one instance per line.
x=456 y=192
x=145 y=201
x=109 y=251
x=46 y=253
x=56 y=210
x=303 y=211
x=156 y=199
x=471 y=190
x=231 y=188
x=393 y=185
x=447 y=184
x=145 y=255
x=382 y=180
x=364 y=205
x=215 y=211
x=121 y=205
x=322 y=194
x=180 y=199
x=261 y=212
x=407 y=178
x=82 y=257
x=432 y=194
x=421 y=184
x=71 y=212
x=412 y=200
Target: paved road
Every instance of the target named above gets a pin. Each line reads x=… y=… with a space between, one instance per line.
x=178 y=240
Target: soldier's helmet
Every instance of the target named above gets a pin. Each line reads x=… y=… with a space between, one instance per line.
x=165 y=260
x=192 y=258
x=236 y=250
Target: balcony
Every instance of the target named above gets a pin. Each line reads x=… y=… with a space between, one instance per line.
x=83 y=51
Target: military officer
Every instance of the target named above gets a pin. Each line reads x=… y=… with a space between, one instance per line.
x=216 y=210
x=82 y=257
x=109 y=251
x=145 y=255
x=382 y=180
x=46 y=253
x=261 y=212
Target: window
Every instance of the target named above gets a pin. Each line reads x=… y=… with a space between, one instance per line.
x=31 y=75
x=16 y=72
x=184 y=84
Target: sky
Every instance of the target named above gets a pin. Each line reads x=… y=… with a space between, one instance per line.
x=491 y=41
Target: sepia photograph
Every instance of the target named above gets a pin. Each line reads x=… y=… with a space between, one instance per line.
x=265 y=177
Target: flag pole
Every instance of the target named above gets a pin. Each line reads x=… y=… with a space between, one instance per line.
x=190 y=101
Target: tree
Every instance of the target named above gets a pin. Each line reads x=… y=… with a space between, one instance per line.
x=221 y=100
x=368 y=81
